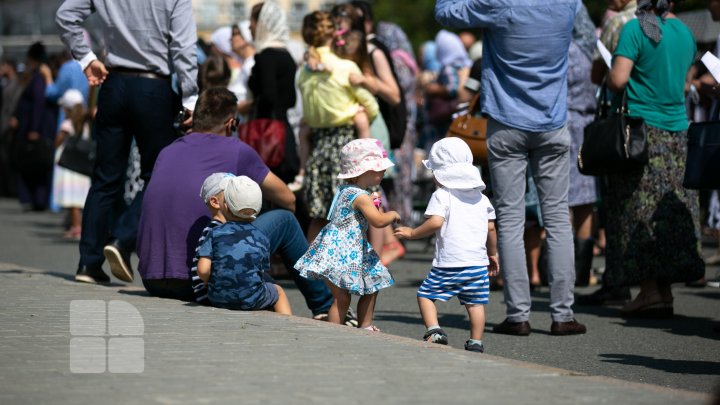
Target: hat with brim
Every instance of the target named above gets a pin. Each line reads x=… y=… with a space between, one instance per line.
x=362 y=155
x=451 y=163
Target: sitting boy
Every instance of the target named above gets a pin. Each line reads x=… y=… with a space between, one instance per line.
x=235 y=255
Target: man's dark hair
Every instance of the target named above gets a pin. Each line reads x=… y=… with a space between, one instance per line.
x=37 y=52
x=213 y=108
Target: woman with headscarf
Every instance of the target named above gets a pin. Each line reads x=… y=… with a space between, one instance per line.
x=272 y=80
x=581 y=110
x=652 y=221
x=443 y=94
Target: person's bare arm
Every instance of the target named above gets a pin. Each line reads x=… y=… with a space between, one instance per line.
x=203 y=267
x=428 y=228
x=620 y=73
x=278 y=192
x=364 y=203
x=491 y=245
x=383 y=83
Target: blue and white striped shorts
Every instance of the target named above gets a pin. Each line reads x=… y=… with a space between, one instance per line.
x=470 y=284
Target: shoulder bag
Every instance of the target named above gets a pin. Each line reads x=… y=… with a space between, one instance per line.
x=266 y=136
x=78 y=153
x=612 y=143
x=472 y=130
x=702 y=167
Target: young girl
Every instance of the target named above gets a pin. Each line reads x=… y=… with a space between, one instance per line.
x=71 y=188
x=341 y=253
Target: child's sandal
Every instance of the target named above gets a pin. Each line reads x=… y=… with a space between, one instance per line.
x=436 y=336
x=372 y=328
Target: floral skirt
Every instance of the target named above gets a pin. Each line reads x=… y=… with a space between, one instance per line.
x=323 y=167
x=653 y=225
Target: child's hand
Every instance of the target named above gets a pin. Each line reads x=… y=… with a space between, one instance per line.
x=396 y=216
x=494 y=266
x=403 y=232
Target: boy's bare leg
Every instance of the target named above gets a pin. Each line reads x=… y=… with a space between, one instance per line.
x=362 y=124
x=282 y=306
x=366 y=310
x=341 y=304
x=476 y=312
x=428 y=311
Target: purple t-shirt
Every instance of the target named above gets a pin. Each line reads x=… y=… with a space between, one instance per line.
x=173 y=214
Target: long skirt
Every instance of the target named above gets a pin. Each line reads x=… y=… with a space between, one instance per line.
x=653 y=225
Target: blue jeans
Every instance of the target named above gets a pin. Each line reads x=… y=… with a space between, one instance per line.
x=287 y=239
x=510 y=151
x=128 y=107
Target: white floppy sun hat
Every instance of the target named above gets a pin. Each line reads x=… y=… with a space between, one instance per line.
x=361 y=155
x=451 y=163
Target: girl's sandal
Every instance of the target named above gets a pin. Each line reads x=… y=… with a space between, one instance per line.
x=372 y=328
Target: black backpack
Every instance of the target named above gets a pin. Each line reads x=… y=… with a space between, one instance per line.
x=395 y=116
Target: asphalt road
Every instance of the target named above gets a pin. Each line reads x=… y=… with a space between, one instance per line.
x=683 y=352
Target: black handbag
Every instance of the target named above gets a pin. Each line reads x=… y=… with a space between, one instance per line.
x=614 y=143
x=702 y=167
x=78 y=155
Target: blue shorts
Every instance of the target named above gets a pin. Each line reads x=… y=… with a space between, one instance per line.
x=470 y=284
x=265 y=298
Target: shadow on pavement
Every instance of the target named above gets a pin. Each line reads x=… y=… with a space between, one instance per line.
x=678 y=325
x=667 y=365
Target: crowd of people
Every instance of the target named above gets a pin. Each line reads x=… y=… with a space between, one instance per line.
x=357 y=108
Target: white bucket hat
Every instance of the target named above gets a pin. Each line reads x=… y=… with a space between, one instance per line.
x=243 y=193
x=214 y=184
x=361 y=155
x=451 y=162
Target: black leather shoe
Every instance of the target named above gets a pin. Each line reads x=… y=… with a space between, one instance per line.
x=119 y=260
x=567 y=328
x=513 y=328
x=93 y=275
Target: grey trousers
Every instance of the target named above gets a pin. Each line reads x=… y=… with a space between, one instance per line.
x=510 y=150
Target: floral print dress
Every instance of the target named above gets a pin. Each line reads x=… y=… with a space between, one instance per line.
x=341 y=252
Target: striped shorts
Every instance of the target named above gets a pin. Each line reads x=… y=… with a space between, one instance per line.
x=470 y=284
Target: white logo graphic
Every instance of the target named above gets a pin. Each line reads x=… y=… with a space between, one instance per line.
x=105 y=336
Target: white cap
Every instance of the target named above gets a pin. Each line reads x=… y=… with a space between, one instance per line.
x=71 y=98
x=214 y=184
x=243 y=193
x=451 y=163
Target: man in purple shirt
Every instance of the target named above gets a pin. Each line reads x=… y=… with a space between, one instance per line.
x=173 y=214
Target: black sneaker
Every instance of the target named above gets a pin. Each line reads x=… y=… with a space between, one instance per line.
x=93 y=275
x=351 y=319
x=436 y=336
x=474 y=347
x=119 y=260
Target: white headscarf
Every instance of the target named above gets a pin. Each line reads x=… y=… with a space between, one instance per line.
x=221 y=38
x=272 y=29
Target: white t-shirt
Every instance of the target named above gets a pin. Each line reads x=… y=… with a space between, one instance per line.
x=460 y=242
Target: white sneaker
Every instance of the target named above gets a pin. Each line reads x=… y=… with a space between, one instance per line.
x=297 y=184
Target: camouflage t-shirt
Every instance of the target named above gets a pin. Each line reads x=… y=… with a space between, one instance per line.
x=240 y=254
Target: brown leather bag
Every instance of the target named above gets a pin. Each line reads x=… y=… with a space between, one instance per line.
x=473 y=131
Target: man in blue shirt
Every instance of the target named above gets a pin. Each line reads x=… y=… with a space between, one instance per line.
x=524 y=93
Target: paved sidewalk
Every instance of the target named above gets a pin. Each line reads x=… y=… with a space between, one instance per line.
x=203 y=355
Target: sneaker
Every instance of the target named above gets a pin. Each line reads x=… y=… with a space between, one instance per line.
x=436 y=336
x=474 y=347
x=297 y=184
x=119 y=260
x=92 y=275
x=714 y=283
x=351 y=318
x=323 y=316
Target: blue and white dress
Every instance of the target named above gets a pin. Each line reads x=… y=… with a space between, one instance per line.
x=341 y=252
